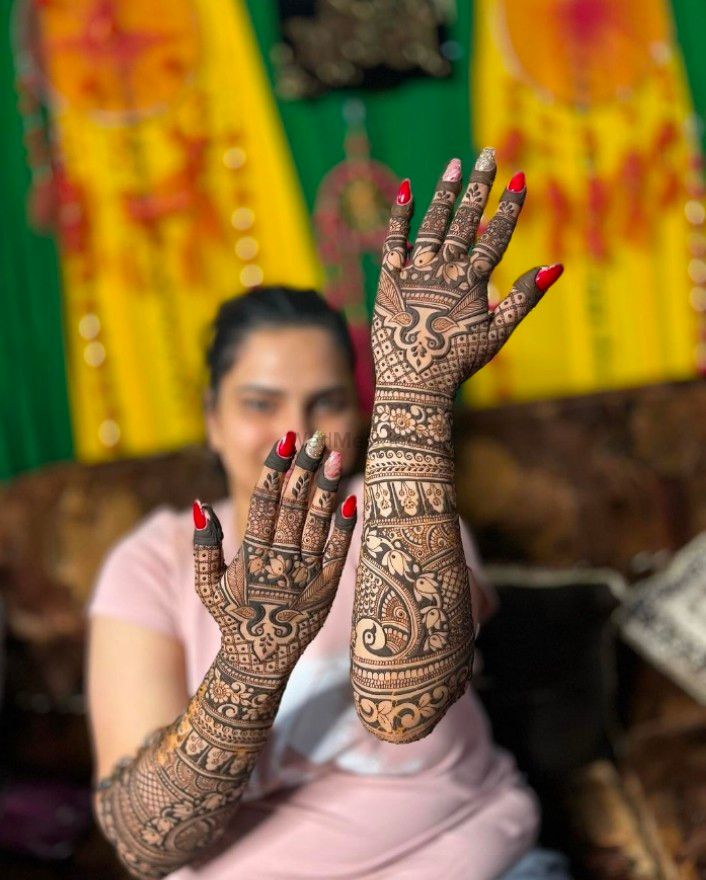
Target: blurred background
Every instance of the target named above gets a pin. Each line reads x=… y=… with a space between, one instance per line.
x=159 y=157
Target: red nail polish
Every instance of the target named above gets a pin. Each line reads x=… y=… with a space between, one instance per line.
x=517 y=183
x=287 y=445
x=200 y=521
x=404 y=193
x=349 y=507
x=547 y=275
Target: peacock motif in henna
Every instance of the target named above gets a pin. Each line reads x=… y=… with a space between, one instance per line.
x=412 y=635
x=169 y=804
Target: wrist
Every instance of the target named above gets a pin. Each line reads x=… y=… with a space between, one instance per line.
x=414 y=394
x=410 y=419
x=412 y=398
x=246 y=685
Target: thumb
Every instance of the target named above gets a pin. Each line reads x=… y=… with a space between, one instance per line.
x=526 y=292
x=209 y=565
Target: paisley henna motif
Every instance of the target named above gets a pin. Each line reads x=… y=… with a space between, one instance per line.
x=412 y=636
x=177 y=796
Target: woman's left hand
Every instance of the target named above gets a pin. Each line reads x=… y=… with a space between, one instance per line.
x=432 y=328
x=274 y=597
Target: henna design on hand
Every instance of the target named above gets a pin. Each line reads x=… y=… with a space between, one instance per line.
x=431 y=326
x=412 y=636
x=174 y=799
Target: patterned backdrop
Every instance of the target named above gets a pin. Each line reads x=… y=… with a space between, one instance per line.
x=161 y=156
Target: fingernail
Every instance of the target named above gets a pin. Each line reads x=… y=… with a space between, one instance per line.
x=315 y=444
x=486 y=159
x=453 y=171
x=287 y=445
x=332 y=466
x=404 y=193
x=547 y=275
x=200 y=521
x=517 y=183
x=349 y=507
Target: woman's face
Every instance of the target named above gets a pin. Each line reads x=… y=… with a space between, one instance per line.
x=283 y=379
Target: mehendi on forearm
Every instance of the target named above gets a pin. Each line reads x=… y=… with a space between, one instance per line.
x=412 y=638
x=172 y=801
x=179 y=794
x=412 y=650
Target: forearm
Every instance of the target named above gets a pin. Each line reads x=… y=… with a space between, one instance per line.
x=412 y=651
x=412 y=641
x=178 y=795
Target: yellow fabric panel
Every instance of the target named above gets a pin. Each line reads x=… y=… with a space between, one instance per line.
x=181 y=193
x=602 y=98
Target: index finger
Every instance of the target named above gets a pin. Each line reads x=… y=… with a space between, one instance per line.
x=394 y=251
x=264 y=501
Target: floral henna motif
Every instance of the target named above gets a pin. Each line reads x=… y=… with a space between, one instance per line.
x=175 y=797
x=178 y=795
x=412 y=641
x=412 y=636
x=395 y=718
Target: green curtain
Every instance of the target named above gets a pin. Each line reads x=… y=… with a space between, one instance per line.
x=690 y=21
x=413 y=128
x=36 y=426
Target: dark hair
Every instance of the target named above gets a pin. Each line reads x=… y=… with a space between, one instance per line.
x=265 y=307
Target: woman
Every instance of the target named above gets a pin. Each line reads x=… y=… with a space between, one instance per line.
x=268 y=754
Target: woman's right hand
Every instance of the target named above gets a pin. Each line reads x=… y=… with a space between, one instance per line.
x=274 y=597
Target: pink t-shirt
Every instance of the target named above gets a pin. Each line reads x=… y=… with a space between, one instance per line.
x=327 y=799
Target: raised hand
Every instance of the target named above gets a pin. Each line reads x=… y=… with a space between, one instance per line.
x=432 y=327
x=275 y=595
x=413 y=631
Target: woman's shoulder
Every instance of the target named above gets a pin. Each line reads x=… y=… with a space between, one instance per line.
x=141 y=575
x=155 y=532
x=136 y=578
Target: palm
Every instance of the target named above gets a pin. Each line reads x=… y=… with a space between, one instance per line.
x=275 y=595
x=273 y=603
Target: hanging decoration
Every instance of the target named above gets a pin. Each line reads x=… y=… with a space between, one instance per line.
x=350 y=218
x=334 y=44
x=167 y=174
x=589 y=98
